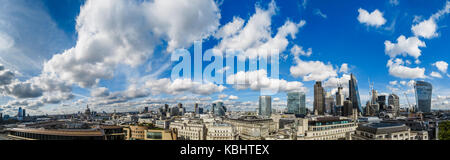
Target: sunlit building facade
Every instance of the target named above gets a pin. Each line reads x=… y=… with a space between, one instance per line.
x=296 y=103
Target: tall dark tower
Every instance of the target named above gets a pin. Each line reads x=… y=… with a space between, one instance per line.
x=196 y=108
x=354 y=93
x=319 y=98
x=423 y=96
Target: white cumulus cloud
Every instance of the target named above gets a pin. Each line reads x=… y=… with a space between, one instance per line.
x=371 y=19
x=312 y=70
x=426 y=29
x=404 y=46
x=126 y=32
x=255 y=38
x=398 y=69
x=441 y=66
x=436 y=75
x=258 y=80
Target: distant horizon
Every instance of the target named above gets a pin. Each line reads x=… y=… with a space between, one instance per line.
x=59 y=56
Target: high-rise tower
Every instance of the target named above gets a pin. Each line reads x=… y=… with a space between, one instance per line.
x=265 y=106
x=296 y=103
x=423 y=96
x=319 y=98
x=354 y=93
x=340 y=97
x=394 y=101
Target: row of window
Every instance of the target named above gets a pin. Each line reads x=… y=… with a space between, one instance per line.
x=344 y=130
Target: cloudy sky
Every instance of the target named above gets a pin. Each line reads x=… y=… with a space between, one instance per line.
x=56 y=56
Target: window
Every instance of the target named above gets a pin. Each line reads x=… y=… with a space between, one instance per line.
x=154 y=135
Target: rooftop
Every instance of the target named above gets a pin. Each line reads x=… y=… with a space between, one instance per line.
x=383 y=128
x=61 y=132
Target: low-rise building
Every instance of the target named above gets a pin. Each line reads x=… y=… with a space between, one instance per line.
x=101 y=133
x=162 y=124
x=325 y=128
x=220 y=132
x=383 y=131
x=189 y=130
x=146 y=133
x=152 y=134
x=252 y=127
x=135 y=132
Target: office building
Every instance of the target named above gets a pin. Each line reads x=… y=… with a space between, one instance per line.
x=252 y=127
x=372 y=109
x=189 y=130
x=340 y=97
x=325 y=128
x=347 y=109
x=213 y=108
x=196 y=108
x=329 y=103
x=296 y=103
x=20 y=112
x=354 y=93
x=394 y=104
x=219 y=109
x=423 y=96
x=383 y=131
x=220 y=132
x=265 y=106
x=381 y=100
x=319 y=98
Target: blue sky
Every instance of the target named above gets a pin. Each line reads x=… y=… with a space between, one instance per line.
x=46 y=52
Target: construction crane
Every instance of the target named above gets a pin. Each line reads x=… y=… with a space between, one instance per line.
x=409 y=104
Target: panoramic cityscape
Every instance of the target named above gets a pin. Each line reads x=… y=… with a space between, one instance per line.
x=334 y=117
x=224 y=70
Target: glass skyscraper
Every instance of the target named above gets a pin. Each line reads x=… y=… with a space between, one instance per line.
x=20 y=112
x=265 y=106
x=423 y=96
x=296 y=103
x=354 y=93
x=219 y=109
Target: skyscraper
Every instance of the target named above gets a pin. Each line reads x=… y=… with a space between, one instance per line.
x=296 y=103
x=348 y=108
x=196 y=108
x=20 y=112
x=329 y=103
x=423 y=96
x=381 y=100
x=213 y=108
x=340 y=97
x=265 y=106
x=354 y=93
x=219 y=109
x=394 y=101
x=319 y=98
x=24 y=113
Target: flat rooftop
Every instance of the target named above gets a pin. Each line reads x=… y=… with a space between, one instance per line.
x=61 y=132
x=383 y=128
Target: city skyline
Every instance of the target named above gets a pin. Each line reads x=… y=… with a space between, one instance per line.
x=60 y=66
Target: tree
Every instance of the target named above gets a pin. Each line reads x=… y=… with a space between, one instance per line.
x=444 y=130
